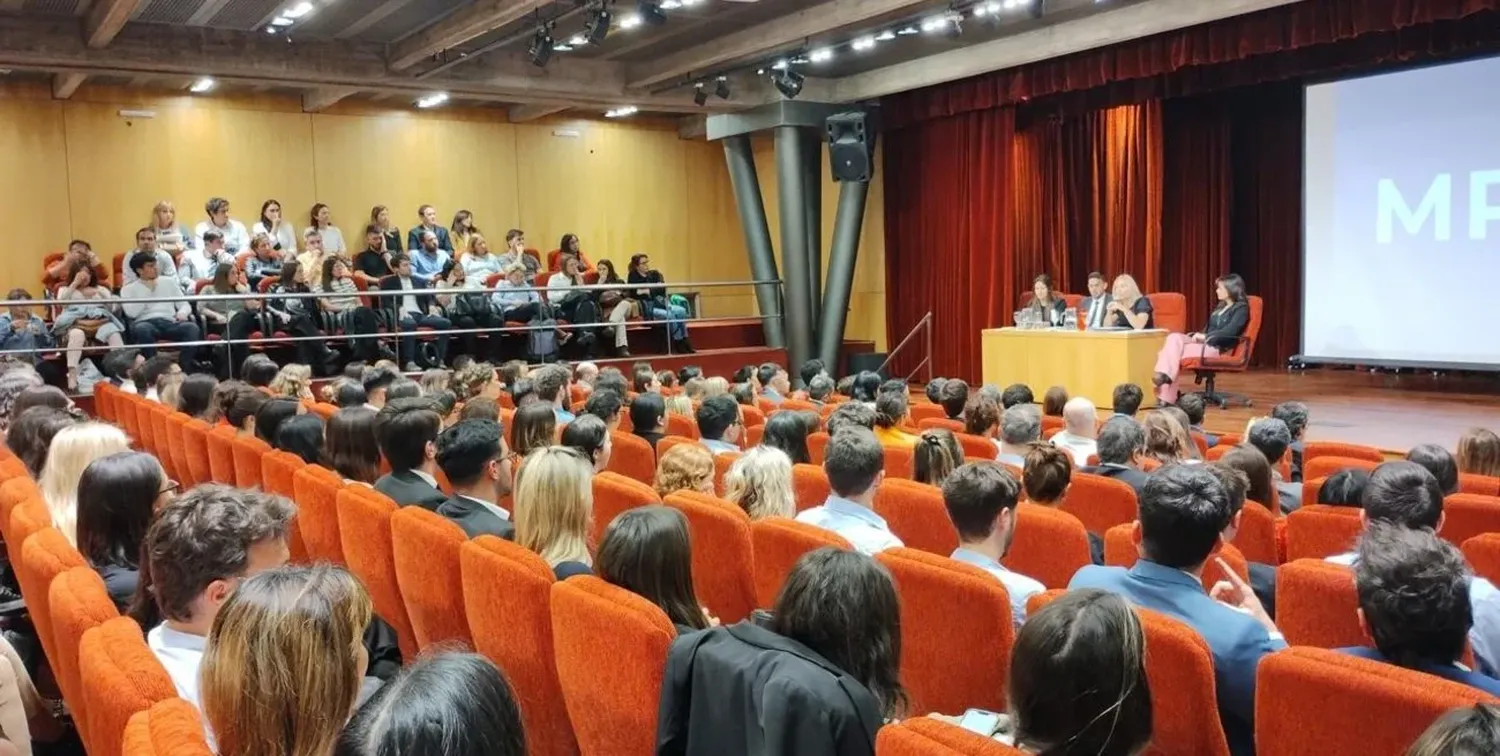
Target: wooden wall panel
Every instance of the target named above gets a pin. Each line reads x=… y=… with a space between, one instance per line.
x=33 y=190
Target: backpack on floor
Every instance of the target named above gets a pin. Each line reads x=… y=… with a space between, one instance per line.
x=541 y=340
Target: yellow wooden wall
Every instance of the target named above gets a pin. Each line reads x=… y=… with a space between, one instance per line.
x=76 y=169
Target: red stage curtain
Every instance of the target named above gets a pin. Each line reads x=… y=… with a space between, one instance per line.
x=949 y=235
x=1198 y=191
x=1132 y=192
x=1041 y=206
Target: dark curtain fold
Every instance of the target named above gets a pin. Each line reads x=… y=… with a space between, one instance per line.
x=1041 y=206
x=1132 y=191
x=1197 y=194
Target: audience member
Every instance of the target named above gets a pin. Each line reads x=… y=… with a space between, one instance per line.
x=774 y=381
x=760 y=482
x=1273 y=439
x=864 y=388
x=1344 y=488
x=1261 y=486
x=480 y=408
x=680 y=404
x=1192 y=406
x=1079 y=431
x=407 y=432
x=891 y=408
x=435 y=380
x=936 y=456
x=376 y=382
x=1166 y=441
x=685 y=467
x=1439 y=462
x=552 y=387
x=855 y=465
x=403 y=388
x=1479 y=452
x=667 y=379
x=981 y=499
x=934 y=389
x=1127 y=399
x=240 y=405
x=117 y=497
x=448 y=703
x=478 y=379
x=589 y=435
x=161 y=319
x=953 y=395
x=605 y=405
x=303 y=436
x=647 y=551
x=981 y=417
x=554 y=502
x=475 y=458
x=259 y=371
x=272 y=413
x=350 y=445
x=611 y=379
x=148 y=376
x=71 y=452
x=1294 y=414
x=648 y=418
x=743 y=393
x=89 y=315
x=535 y=428
x=788 y=431
x=40 y=396
x=1122 y=449
x=1016 y=394
x=811 y=369
x=1185 y=436
x=820 y=390
x=195 y=397
x=1468 y=731
x=31 y=433
x=1020 y=427
x=720 y=425
x=348 y=393
x=1054 y=401
x=851 y=415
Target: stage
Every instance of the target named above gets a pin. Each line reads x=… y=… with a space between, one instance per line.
x=1393 y=412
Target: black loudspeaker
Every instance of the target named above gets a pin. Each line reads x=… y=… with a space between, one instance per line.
x=862 y=361
x=851 y=146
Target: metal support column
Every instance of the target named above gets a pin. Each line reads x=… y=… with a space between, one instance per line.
x=791 y=183
x=812 y=166
x=842 y=256
x=752 y=212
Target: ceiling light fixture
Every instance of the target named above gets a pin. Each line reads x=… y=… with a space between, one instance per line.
x=562 y=47
x=721 y=88
x=695 y=2
x=934 y=24
x=595 y=29
x=300 y=9
x=433 y=100
x=779 y=65
x=271 y=30
x=821 y=55
x=906 y=31
x=700 y=95
x=671 y=4
x=631 y=21
x=650 y=12
x=863 y=43
x=203 y=84
x=621 y=112
x=885 y=36
x=542 y=46
x=282 y=21
x=788 y=83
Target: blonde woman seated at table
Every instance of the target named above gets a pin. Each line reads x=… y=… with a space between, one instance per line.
x=1128 y=308
x=1226 y=324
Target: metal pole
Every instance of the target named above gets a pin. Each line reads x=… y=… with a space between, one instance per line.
x=841 y=259
x=752 y=213
x=791 y=182
x=812 y=166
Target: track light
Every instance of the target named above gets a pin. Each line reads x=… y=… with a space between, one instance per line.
x=432 y=100
x=621 y=112
x=821 y=55
x=596 y=28
x=721 y=88
x=542 y=46
x=651 y=12
x=700 y=95
x=862 y=43
x=202 y=85
x=788 y=83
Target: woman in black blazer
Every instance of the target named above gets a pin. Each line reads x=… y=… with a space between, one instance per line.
x=1045 y=302
x=1226 y=324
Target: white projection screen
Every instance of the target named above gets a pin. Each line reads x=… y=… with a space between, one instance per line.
x=1401 y=218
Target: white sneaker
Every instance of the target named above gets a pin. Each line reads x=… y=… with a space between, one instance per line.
x=411 y=367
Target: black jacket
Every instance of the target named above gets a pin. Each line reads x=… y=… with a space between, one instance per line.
x=475 y=519
x=408 y=489
x=393 y=283
x=650 y=437
x=1225 y=327
x=743 y=690
x=1128 y=475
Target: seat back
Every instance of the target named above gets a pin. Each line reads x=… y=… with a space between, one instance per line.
x=195 y=447
x=104 y=401
x=1468 y=515
x=1169 y=311
x=125 y=416
x=247 y=452
x=817 y=446
x=951 y=663
x=1328 y=464
x=221 y=455
x=779 y=543
x=44 y=556
x=1483 y=485
x=26 y=519
x=680 y=425
x=1319 y=530
x=1316 y=605
x=1256 y=538
x=508 y=599
x=752 y=415
x=1483 y=553
x=121 y=678
x=1050 y=545
x=942 y=421
x=976 y=446
x=147 y=438
x=632 y=457
x=1098 y=502
x=722 y=463
x=170 y=728
x=1382 y=706
x=79 y=602
x=723 y=558
x=1180 y=671
x=924 y=410
x=916 y=514
x=177 y=446
x=618 y=719
x=425 y=548
x=898 y=460
x=1239 y=357
x=924 y=736
x=12 y=493
x=665 y=444
x=364 y=516
x=277 y=469
x=809 y=486
x=1312 y=450
x=317 y=488
x=615 y=493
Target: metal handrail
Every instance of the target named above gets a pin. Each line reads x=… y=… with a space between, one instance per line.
x=924 y=325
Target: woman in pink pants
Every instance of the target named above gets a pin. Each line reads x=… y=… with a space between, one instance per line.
x=1225 y=326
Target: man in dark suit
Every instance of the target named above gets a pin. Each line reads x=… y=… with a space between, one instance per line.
x=407 y=431
x=474 y=456
x=1096 y=304
x=411 y=310
x=1183 y=513
x=1122 y=447
x=648 y=417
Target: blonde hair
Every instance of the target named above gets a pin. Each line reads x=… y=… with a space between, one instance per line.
x=1135 y=289
x=1479 y=452
x=293 y=381
x=73 y=448
x=1166 y=440
x=685 y=467
x=474 y=239
x=554 y=503
x=715 y=386
x=513 y=268
x=281 y=673
x=760 y=483
x=679 y=404
x=168 y=385
x=435 y=380
x=158 y=209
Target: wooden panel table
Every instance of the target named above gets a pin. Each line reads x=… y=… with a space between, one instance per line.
x=1086 y=363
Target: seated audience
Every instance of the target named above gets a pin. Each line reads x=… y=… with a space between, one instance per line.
x=239 y=406
x=88 y=315
x=293 y=381
x=1189 y=446
x=285 y=661
x=680 y=404
x=163 y=319
x=478 y=408
x=22 y=329
x=611 y=379
x=648 y=418
x=1127 y=399
x=685 y=467
x=760 y=482
x=1020 y=427
x=936 y=456
x=377 y=381
x=743 y=393
x=891 y=410
x=1261 y=485
x=1077 y=437
x=303 y=436
x=720 y=424
x=554 y=503
x=865 y=386
x=1479 y=452
x=30 y=436
x=646 y=551
x=1054 y=401
x=1166 y=441
x=820 y=390
x=1468 y=731
x=811 y=369
x=552 y=387
x=403 y=388
x=72 y=450
x=1192 y=406
x=605 y=405
x=272 y=413
x=435 y=380
x=347 y=393
x=474 y=457
x=934 y=390
x=195 y=397
x=351 y=446
x=413 y=310
x=825 y=668
x=477 y=379
x=788 y=432
x=1439 y=462
x=643 y=379
x=667 y=379
x=1344 y=488
x=448 y=703
x=535 y=428
x=981 y=417
x=1273 y=439
x=345 y=311
x=148 y=377
x=407 y=432
x=1294 y=414
x=953 y=395
x=775 y=384
x=117 y=497
x=1016 y=394
x=855 y=465
x=981 y=500
x=1184 y=510
x=851 y=415
x=590 y=436
x=1122 y=449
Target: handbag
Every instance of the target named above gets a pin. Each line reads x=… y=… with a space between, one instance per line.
x=90 y=326
x=609 y=300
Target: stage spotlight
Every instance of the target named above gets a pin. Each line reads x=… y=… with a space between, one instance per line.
x=721 y=88
x=788 y=83
x=651 y=12
x=596 y=28
x=541 y=47
x=700 y=95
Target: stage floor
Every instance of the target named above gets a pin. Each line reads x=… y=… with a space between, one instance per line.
x=1393 y=412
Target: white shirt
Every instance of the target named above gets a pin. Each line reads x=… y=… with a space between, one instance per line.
x=284 y=236
x=489 y=506
x=197 y=265
x=428 y=479
x=333 y=238
x=408 y=301
x=1080 y=447
x=182 y=655
x=1096 y=312
x=1018 y=586
x=161 y=287
x=720 y=447
x=236 y=238
x=861 y=527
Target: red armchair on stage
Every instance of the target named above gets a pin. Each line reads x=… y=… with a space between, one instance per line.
x=1206 y=369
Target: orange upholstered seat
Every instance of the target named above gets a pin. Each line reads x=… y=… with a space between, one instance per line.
x=44 y=556
x=1120 y=550
x=976 y=446
x=948 y=662
x=615 y=493
x=898 y=460
x=942 y=421
x=364 y=516
x=195 y=446
x=26 y=519
x=665 y=444
x=508 y=600
x=146 y=439
x=121 y=678
x=1482 y=485
x=1468 y=515
x=681 y=425
x=247 y=452
x=1098 y=502
x=79 y=602
x=809 y=486
x=919 y=411
x=104 y=401
x=1256 y=538
x=1169 y=311
x=221 y=454
x=924 y=736
x=1381 y=708
x=1328 y=464
x=425 y=547
x=324 y=409
x=12 y=493
x=817 y=446
x=779 y=543
x=276 y=471
x=1483 y=553
x=723 y=558
x=177 y=445
x=632 y=457
x=1050 y=545
x=915 y=513
x=597 y=626
x=170 y=728
x=125 y=416
x=1319 y=530
x=317 y=490
x=1313 y=449
x=1316 y=604
x=752 y=415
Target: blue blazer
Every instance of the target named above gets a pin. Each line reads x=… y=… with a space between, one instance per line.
x=1446 y=671
x=1236 y=640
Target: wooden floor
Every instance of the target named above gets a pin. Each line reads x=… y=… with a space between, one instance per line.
x=1393 y=412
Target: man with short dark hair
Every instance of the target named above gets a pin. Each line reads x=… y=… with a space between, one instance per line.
x=1016 y=393
x=1096 y=304
x=427 y=223
x=611 y=379
x=1192 y=405
x=1127 y=399
x=159 y=319
x=775 y=384
x=604 y=404
x=120 y=366
x=412 y=309
x=855 y=464
x=811 y=369
x=477 y=462
x=981 y=500
x=150 y=371
x=1273 y=439
x=407 y=431
x=258 y=370
x=953 y=395
x=373 y=262
x=648 y=417
x=1183 y=513
x=551 y=383
x=145 y=244
x=1122 y=447
x=1414 y=603
x=643 y=379
x=851 y=415
x=1439 y=462
x=934 y=390
x=720 y=425
x=1020 y=427
x=1294 y=414
x=375 y=381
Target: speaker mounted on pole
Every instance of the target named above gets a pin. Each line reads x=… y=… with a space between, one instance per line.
x=851 y=146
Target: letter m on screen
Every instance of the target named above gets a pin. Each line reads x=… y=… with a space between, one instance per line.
x=1436 y=205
